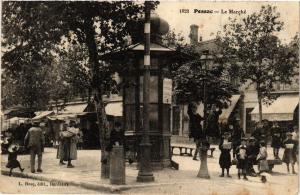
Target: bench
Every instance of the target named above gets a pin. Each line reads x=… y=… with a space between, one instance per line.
x=185 y=150
x=271 y=163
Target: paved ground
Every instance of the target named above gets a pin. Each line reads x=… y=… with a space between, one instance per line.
x=167 y=181
x=15 y=185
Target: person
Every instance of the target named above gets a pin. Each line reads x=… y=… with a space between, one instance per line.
x=289 y=155
x=195 y=127
x=62 y=146
x=71 y=142
x=242 y=158
x=80 y=140
x=276 y=139
x=295 y=137
x=35 y=140
x=237 y=134
x=225 y=157
x=257 y=133
x=262 y=161
x=252 y=152
x=212 y=126
x=12 y=158
x=117 y=138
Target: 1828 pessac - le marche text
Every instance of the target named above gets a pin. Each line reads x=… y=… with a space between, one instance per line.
x=209 y=11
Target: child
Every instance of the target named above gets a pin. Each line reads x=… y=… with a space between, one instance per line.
x=12 y=158
x=242 y=158
x=289 y=155
x=225 y=157
x=262 y=161
x=276 y=139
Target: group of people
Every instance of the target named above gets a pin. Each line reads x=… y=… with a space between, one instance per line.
x=246 y=151
x=35 y=141
x=253 y=151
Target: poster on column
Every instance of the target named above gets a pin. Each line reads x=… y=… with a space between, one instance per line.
x=58 y=55
x=167 y=91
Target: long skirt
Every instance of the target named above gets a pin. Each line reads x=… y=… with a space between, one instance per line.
x=225 y=159
x=289 y=156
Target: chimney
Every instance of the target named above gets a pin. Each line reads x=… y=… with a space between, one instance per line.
x=194 y=34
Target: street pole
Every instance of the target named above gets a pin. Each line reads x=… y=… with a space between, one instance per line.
x=145 y=172
x=203 y=171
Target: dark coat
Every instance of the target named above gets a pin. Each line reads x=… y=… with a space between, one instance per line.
x=257 y=134
x=225 y=157
x=289 y=155
x=12 y=160
x=195 y=125
x=241 y=159
x=252 y=151
x=276 y=137
x=212 y=127
x=237 y=134
x=116 y=136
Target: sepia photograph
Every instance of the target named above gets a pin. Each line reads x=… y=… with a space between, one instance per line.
x=150 y=97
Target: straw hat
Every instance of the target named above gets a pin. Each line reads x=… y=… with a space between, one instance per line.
x=13 y=148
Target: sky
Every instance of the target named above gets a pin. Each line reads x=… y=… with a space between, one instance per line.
x=210 y=23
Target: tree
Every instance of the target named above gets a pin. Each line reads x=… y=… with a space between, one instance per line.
x=203 y=80
x=100 y=27
x=262 y=58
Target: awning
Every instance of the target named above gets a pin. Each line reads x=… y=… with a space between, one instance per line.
x=42 y=114
x=282 y=109
x=114 y=108
x=65 y=116
x=226 y=112
x=77 y=108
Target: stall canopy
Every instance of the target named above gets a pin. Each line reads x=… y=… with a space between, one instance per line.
x=282 y=109
x=76 y=108
x=42 y=114
x=114 y=108
x=226 y=112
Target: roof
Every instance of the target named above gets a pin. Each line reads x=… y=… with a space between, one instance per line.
x=64 y=116
x=76 y=108
x=153 y=47
x=282 y=109
x=42 y=114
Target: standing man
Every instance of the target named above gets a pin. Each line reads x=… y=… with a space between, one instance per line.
x=35 y=141
x=195 y=127
x=212 y=126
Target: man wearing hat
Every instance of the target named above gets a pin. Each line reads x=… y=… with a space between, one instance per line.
x=35 y=141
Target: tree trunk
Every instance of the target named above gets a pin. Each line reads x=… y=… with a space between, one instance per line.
x=99 y=104
x=259 y=105
x=203 y=171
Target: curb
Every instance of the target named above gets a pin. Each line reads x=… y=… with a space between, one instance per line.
x=90 y=186
x=97 y=187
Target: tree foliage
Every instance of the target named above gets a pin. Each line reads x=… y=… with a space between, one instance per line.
x=31 y=29
x=252 y=46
